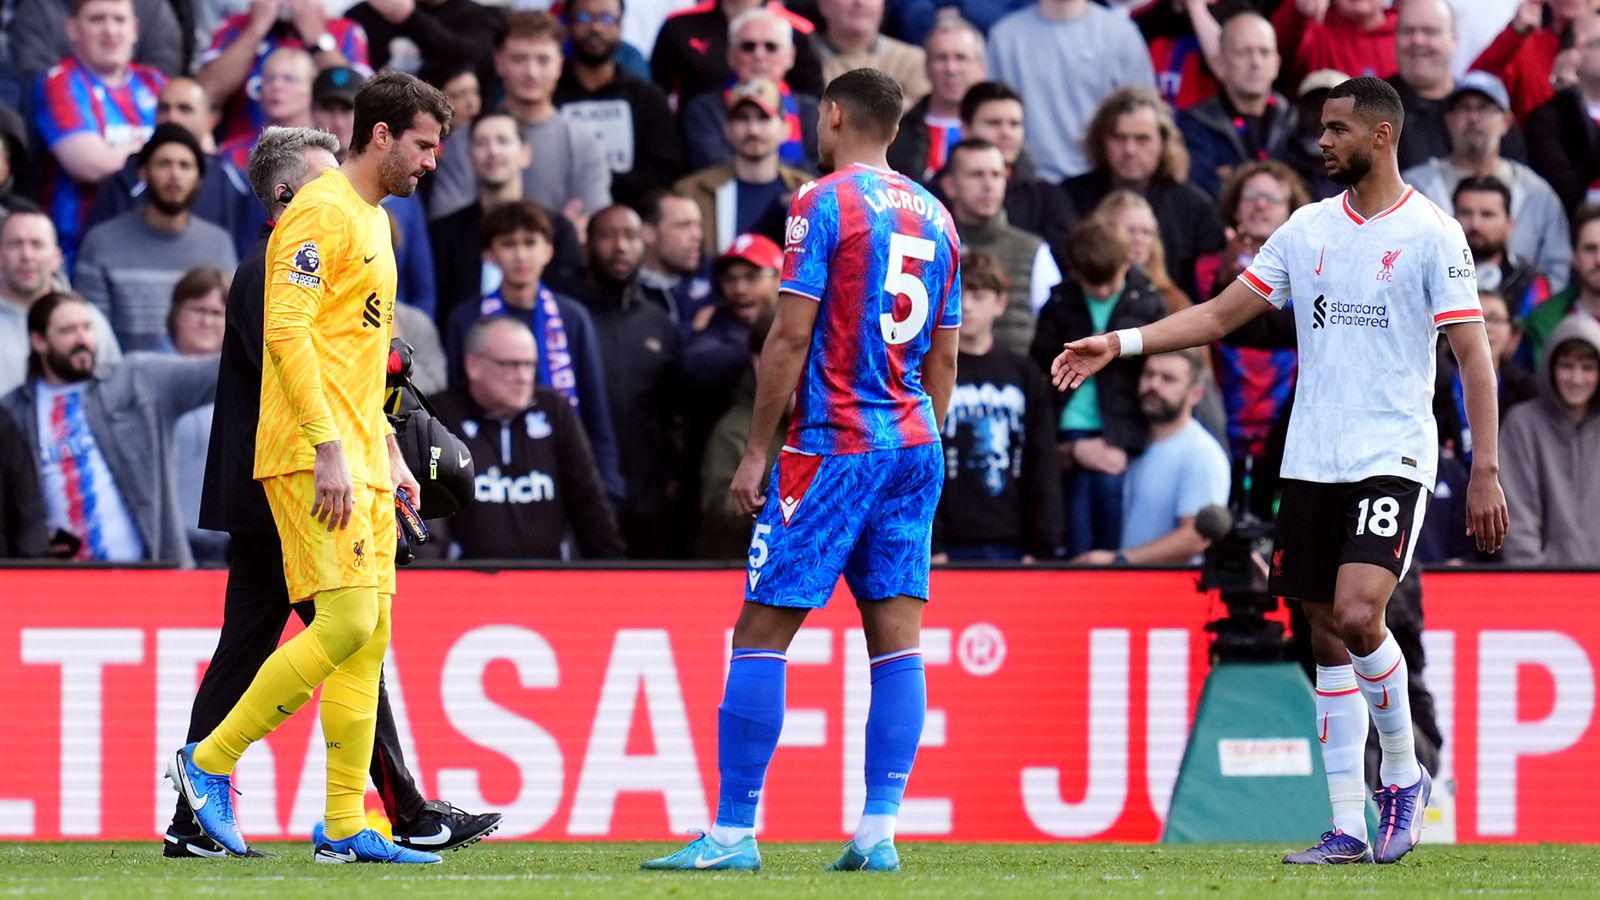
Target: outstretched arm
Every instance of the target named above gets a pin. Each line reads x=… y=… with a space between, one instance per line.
x=1195 y=326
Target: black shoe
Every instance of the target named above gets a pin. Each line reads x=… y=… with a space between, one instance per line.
x=198 y=846
x=440 y=827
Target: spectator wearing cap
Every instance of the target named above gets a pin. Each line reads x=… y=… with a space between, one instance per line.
x=224 y=198
x=1425 y=44
x=973 y=183
x=1355 y=36
x=93 y=111
x=754 y=186
x=715 y=356
x=993 y=112
x=451 y=34
x=1526 y=53
x=1303 y=153
x=1134 y=144
x=957 y=59
x=694 y=50
x=1247 y=120
x=569 y=172
x=333 y=103
x=851 y=38
x=1065 y=56
x=1477 y=116
x=627 y=115
x=538 y=492
x=38 y=36
x=1563 y=137
x=762 y=48
x=230 y=69
x=129 y=265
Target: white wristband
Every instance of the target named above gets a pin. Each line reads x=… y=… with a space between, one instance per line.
x=1132 y=341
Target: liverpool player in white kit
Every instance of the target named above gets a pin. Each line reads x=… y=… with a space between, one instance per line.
x=1376 y=274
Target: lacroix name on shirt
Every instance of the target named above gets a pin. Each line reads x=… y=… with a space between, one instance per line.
x=884 y=199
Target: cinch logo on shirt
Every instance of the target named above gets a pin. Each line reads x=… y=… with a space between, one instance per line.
x=1327 y=313
x=492 y=487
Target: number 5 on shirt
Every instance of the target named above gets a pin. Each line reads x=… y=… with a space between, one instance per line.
x=900 y=282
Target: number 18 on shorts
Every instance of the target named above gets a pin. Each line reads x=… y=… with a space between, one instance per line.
x=1324 y=526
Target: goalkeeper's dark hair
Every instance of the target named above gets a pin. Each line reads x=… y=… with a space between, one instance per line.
x=279 y=158
x=395 y=99
x=39 y=315
x=873 y=102
x=1376 y=101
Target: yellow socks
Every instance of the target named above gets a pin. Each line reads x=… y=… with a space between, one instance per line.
x=349 y=715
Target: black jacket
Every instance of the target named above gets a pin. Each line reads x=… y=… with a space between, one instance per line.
x=231 y=499
x=657 y=160
x=1066 y=318
x=1002 y=481
x=22 y=533
x=643 y=352
x=536 y=482
x=458 y=258
x=1564 y=147
x=691 y=54
x=908 y=155
x=450 y=33
x=1190 y=226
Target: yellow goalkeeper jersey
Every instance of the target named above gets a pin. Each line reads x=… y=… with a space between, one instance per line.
x=330 y=287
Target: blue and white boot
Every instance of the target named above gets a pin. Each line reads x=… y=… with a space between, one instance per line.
x=1400 y=818
x=705 y=854
x=365 y=846
x=1335 y=849
x=210 y=796
x=881 y=858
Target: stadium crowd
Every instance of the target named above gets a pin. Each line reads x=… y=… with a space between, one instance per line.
x=588 y=277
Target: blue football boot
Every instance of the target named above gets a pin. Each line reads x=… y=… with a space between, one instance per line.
x=705 y=854
x=881 y=858
x=210 y=796
x=1335 y=849
x=1400 y=818
x=365 y=846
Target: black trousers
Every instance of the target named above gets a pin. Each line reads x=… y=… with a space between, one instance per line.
x=254 y=612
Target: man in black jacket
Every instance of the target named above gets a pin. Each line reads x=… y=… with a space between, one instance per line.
x=537 y=482
x=1563 y=138
x=1099 y=425
x=21 y=505
x=643 y=352
x=449 y=33
x=257 y=600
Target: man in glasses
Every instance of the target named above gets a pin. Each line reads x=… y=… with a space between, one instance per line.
x=691 y=51
x=763 y=47
x=628 y=116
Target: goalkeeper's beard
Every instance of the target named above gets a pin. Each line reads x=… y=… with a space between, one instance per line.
x=395 y=177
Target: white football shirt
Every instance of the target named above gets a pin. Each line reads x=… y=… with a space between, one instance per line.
x=1370 y=296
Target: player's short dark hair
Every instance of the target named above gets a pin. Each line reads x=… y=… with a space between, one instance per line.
x=1581 y=217
x=1482 y=184
x=395 y=99
x=195 y=283
x=1096 y=251
x=965 y=145
x=872 y=100
x=529 y=23
x=981 y=271
x=1376 y=100
x=509 y=218
x=985 y=92
x=497 y=112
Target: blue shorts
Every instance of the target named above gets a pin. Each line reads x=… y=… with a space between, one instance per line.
x=866 y=516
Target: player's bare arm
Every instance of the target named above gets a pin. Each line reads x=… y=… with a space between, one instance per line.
x=1487 y=516
x=781 y=361
x=939 y=369
x=1195 y=326
x=400 y=473
x=335 y=498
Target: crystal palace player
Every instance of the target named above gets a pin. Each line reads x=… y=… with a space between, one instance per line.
x=1376 y=274
x=867 y=326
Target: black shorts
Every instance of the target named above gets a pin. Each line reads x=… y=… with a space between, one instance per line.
x=1323 y=526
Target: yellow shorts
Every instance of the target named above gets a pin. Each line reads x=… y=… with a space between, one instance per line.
x=316 y=559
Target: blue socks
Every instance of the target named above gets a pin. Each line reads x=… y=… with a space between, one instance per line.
x=748 y=724
x=894 y=728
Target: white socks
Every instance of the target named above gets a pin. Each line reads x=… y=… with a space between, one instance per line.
x=1342 y=731
x=1382 y=677
x=874 y=830
x=728 y=835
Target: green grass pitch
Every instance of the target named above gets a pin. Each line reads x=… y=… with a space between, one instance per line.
x=792 y=870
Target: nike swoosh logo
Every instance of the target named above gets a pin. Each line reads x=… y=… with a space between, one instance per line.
x=1320 y=254
x=463 y=460
x=1398 y=550
x=1385 y=703
x=204 y=799
x=433 y=840
x=346 y=856
x=704 y=862
x=284 y=711
x=1324 y=737
x=369 y=259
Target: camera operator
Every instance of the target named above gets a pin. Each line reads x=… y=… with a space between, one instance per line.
x=1182 y=470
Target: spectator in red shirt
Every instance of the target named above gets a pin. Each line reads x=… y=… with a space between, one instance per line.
x=231 y=68
x=1524 y=56
x=1353 y=36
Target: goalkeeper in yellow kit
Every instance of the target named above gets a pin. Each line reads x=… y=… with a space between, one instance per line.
x=329 y=464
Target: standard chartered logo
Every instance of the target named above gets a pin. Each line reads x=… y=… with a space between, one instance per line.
x=1327 y=313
